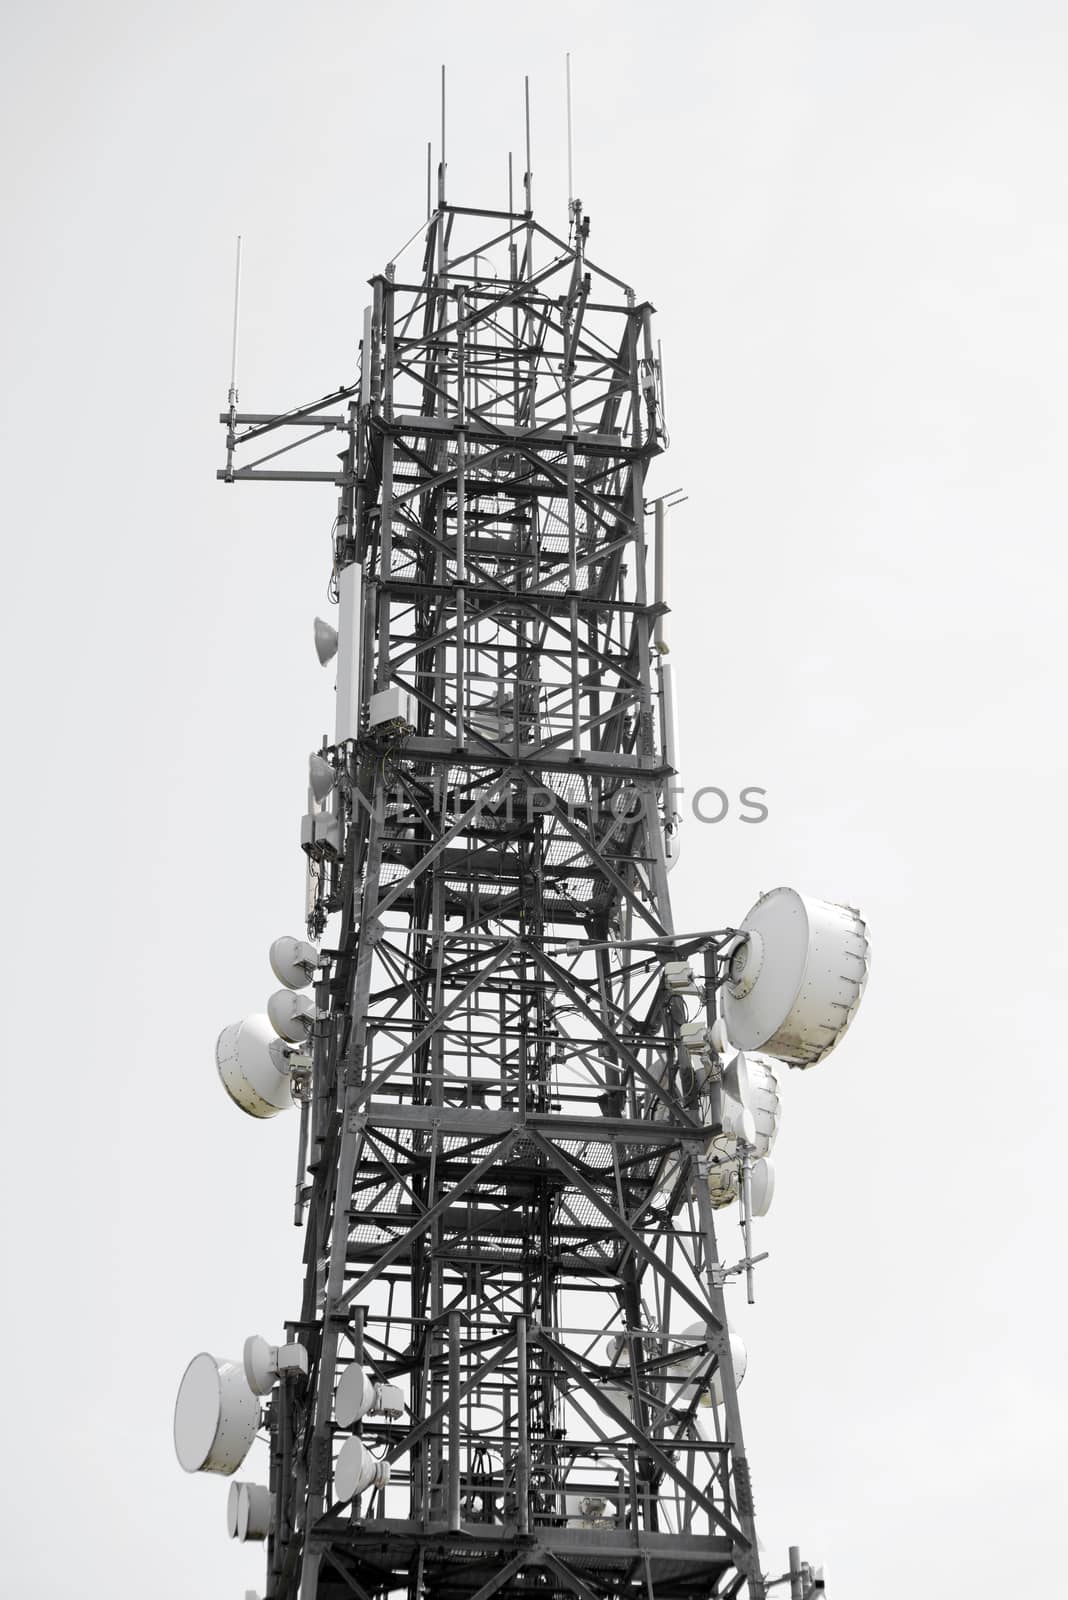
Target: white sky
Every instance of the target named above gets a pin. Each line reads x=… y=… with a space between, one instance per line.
x=853 y=220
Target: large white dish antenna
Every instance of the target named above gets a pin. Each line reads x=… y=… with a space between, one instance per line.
x=254 y=1067
x=216 y=1415
x=794 y=984
x=293 y=961
x=357 y=1469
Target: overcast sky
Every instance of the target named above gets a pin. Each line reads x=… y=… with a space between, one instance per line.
x=852 y=219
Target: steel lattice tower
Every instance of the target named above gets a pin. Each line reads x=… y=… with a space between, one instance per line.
x=502 y=1146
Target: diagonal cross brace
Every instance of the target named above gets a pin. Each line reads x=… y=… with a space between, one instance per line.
x=679 y=1117
x=402 y=885
x=568 y=1362
x=369 y=1089
x=588 y=847
x=571 y=1579
x=622 y=1228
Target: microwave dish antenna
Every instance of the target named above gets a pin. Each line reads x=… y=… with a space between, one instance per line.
x=293 y=961
x=762 y=1186
x=755 y=1077
x=325 y=641
x=231 y=1509
x=254 y=1067
x=795 y=977
x=291 y=1015
x=321 y=777
x=249 y=1512
x=255 y=1512
x=357 y=1469
x=265 y=1363
x=358 y=1394
x=216 y=1415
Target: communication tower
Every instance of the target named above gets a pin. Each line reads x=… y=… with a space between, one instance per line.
x=522 y=1094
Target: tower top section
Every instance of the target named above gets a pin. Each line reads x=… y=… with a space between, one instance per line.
x=507 y=333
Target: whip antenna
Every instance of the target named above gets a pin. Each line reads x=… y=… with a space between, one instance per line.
x=237 y=314
x=570 y=143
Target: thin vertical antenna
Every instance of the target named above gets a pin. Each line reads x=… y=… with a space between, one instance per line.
x=528 y=175
x=509 y=181
x=441 y=169
x=237 y=312
x=428 y=180
x=570 y=144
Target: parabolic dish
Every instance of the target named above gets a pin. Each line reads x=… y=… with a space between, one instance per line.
x=325 y=641
x=293 y=961
x=756 y=1075
x=231 y=1509
x=291 y=1015
x=216 y=1416
x=254 y=1067
x=793 y=986
x=355 y=1392
x=357 y=1469
x=762 y=1186
x=255 y=1509
x=259 y=1360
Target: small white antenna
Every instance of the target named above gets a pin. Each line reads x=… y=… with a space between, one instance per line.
x=237 y=314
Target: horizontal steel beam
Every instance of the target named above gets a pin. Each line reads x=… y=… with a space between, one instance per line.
x=253 y=474
x=256 y=419
x=477 y=1538
x=592 y=1129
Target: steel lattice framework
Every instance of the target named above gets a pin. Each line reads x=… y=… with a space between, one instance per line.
x=501 y=1155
